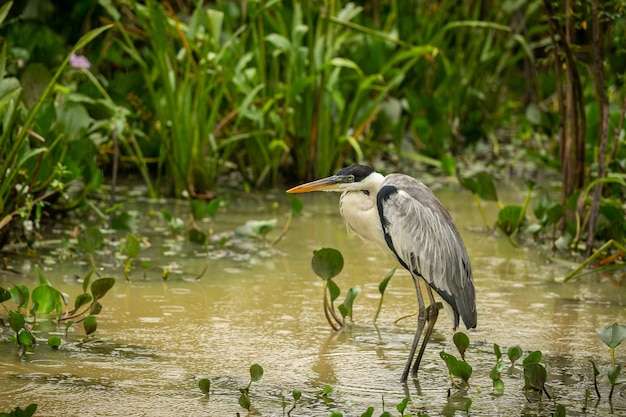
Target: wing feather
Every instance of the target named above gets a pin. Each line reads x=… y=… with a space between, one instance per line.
x=422 y=235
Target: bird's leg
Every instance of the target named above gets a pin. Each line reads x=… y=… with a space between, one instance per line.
x=433 y=312
x=421 y=321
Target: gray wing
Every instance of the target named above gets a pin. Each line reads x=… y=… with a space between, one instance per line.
x=422 y=235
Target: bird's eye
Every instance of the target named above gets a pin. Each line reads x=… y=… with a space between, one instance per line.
x=350 y=178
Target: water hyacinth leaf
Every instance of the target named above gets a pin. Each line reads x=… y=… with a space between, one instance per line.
x=401 y=407
x=496 y=350
x=533 y=357
x=486 y=186
x=612 y=335
x=514 y=353
x=20 y=295
x=535 y=376
x=451 y=362
x=42 y=278
x=369 y=412
x=613 y=374
x=48 y=299
x=86 y=280
x=5 y=295
x=333 y=290
x=205 y=385
x=90 y=324
x=132 y=246
x=346 y=307
x=91 y=239
x=498 y=385
x=509 y=219
x=296 y=394
x=197 y=236
x=16 y=321
x=101 y=286
x=383 y=284
x=461 y=341
x=256 y=372
x=54 y=342
x=25 y=338
x=327 y=263
x=463 y=370
x=96 y=307
x=81 y=300
x=244 y=401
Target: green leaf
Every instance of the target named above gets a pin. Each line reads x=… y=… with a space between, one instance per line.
x=595 y=368
x=196 y=236
x=448 y=164
x=485 y=186
x=4 y=11
x=86 y=280
x=214 y=206
x=256 y=372
x=496 y=350
x=132 y=246
x=25 y=338
x=463 y=370
x=498 y=385
x=451 y=362
x=327 y=263
x=101 y=286
x=20 y=295
x=296 y=205
x=346 y=307
x=535 y=376
x=5 y=295
x=383 y=284
x=333 y=290
x=81 y=300
x=533 y=357
x=16 y=321
x=612 y=335
x=54 y=342
x=401 y=407
x=205 y=385
x=244 y=401
x=613 y=374
x=90 y=324
x=369 y=412
x=461 y=341
x=48 y=299
x=42 y=278
x=90 y=239
x=514 y=353
x=296 y=394
x=509 y=219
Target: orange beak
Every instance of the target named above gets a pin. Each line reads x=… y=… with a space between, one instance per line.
x=325 y=184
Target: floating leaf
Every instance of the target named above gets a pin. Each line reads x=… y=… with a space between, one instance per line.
x=612 y=335
x=91 y=239
x=101 y=286
x=333 y=290
x=533 y=357
x=90 y=324
x=461 y=341
x=54 y=342
x=132 y=246
x=256 y=372
x=327 y=263
x=514 y=353
x=205 y=385
x=535 y=376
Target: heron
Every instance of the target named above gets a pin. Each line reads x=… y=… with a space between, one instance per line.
x=401 y=214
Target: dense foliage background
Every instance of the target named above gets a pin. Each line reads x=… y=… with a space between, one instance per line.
x=182 y=93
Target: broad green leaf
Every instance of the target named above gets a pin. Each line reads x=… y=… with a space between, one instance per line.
x=401 y=407
x=5 y=295
x=461 y=341
x=533 y=357
x=20 y=295
x=26 y=338
x=463 y=370
x=42 y=279
x=205 y=385
x=91 y=239
x=133 y=246
x=16 y=321
x=244 y=401
x=214 y=206
x=256 y=372
x=96 y=307
x=101 y=286
x=448 y=164
x=86 y=280
x=612 y=335
x=514 y=353
x=613 y=374
x=486 y=186
x=346 y=307
x=327 y=263
x=509 y=219
x=496 y=350
x=90 y=324
x=296 y=394
x=81 y=300
x=498 y=385
x=333 y=290
x=197 y=236
x=451 y=362
x=48 y=299
x=535 y=376
x=54 y=342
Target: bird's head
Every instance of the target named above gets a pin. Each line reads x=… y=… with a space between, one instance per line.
x=352 y=178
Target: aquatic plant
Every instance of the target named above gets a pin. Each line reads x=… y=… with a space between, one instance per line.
x=256 y=372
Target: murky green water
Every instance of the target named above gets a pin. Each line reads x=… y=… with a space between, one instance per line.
x=157 y=338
